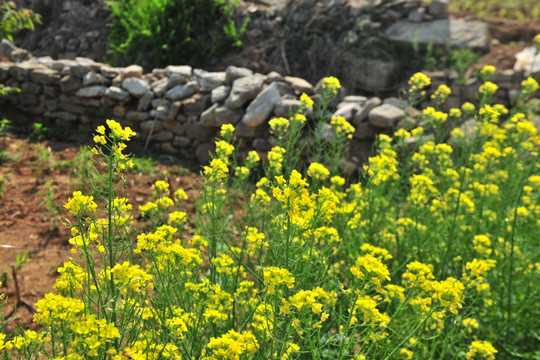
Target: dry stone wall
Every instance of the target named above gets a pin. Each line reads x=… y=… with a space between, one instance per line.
x=179 y=109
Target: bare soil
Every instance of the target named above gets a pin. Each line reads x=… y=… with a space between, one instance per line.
x=26 y=223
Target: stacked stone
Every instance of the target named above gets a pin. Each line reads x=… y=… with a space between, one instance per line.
x=179 y=110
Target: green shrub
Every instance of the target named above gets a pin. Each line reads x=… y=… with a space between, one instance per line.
x=161 y=32
x=14 y=20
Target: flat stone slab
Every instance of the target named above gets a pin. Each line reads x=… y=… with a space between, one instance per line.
x=457 y=33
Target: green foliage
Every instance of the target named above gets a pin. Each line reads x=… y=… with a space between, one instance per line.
x=38 y=132
x=162 y=32
x=52 y=214
x=8 y=90
x=2 y=181
x=145 y=165
x=500 y=9
x=14 y=20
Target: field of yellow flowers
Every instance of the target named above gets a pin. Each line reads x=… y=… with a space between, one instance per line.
x=433 y=253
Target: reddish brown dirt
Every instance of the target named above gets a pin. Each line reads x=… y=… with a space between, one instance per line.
x=507 y=38
x=26 y=223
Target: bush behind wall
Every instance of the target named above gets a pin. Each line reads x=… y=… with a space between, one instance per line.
x=156 y=33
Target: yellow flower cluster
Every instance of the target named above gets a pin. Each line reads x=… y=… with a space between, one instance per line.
x=331 y=84
x=341 y=127
x=418 y=82
x=80 y=204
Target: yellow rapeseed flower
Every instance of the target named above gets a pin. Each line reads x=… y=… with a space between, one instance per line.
x=318 y=171
x=487 y=71
x=331 y=84
x=306 y=100
x=418 y=82
x=488 y=88
x=481 y=350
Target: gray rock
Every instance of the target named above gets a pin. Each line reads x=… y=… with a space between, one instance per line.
x=175 y=126
x=70 y=84
x=135 y=71
x=402 y=104
x=219 y=94
x=356 y=99
x=34 y=110
x=195 y=130
x=160 y=113
x=79 y=100
x=84 y=61
x=159 y=73
x=457 y=33
x=81 y=66
x=65 y=116
x=347 y=111
x=163 y=135
x=203 y=153
x=6 y=48
x=30 y=88
x=173 y=110
x=260 y=109
x=181 y=141
x=233 y=72
x=137 y=115
x=160 y=102
x=176 y=79
x=145 y=100
x=286 y=107
x=135 y=86
x=385 y=116
x=4 y=70
x=93 y=78
x=217 y=115
x=51 y=104
x=21 y=72
x=119 y=111
x=109 y=71
x=91 y=91
x=407 y=123
x=362 y=114
x=159 y=87
x=365 y=131
x=272 y=76
x=261 y=144
x=196 y=104
x=62 y=64
x=51 y=91
x=28 y=99
x=243 y=90
x=211 y=80
x=249 y=132
x=348 y=167
x=20 y=55
x=45 y=76
x=375 y=75
x=168 y=148
x=300 y=85
x=72 y=108
x=438 y=8
x=180 y=92
x=152 y=125
x=416 y=15
x=183 y=70
x=117 y=94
